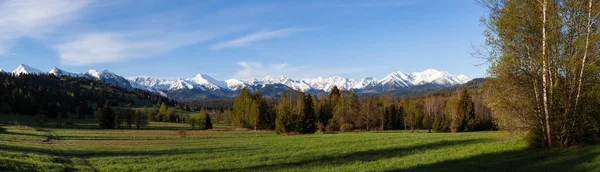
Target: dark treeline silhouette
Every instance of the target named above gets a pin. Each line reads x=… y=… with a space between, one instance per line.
x=70 y=97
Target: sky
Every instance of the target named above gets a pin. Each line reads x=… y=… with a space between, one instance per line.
x=243 y=39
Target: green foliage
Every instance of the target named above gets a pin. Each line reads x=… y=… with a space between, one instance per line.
x=203 y=121
x=106 y=117
x=140 y=119
x=466 y=109
x=251 y=111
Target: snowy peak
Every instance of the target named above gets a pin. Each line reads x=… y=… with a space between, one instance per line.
x=108 y=77
x=24 y=69
x=208 y=82
x=284 y=80
x=234 y=84
x=59 y=72
x=431 y=76
x=398 y=79
x=365 y=82
x=326 y=84
x=1 y=70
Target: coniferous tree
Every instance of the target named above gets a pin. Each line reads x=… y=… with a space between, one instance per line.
x=106 y=116
x=466 y=109
x=309 y=118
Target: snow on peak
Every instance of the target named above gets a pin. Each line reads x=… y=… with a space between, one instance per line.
x=463 y=78
x=24 y=69
x=394 y=80
x=1 y=70
x=328 y=83
x=284 y=80
x=234 y=84
x=365 y=82
x=399 y=79
x=94 y=73
x=59 y=72
x=108 y=77
x=209 y=82
x=431 y=76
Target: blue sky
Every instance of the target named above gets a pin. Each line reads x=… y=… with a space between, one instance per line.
x=242 y=39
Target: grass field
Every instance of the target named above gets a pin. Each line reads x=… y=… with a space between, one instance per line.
x=161 y=148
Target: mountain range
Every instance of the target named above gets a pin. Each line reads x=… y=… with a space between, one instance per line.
x=203 y=86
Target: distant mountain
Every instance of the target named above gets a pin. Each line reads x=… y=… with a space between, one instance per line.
x=429 y=78
x=1 y=70
x=326 y=84
x=109 y=77
x=24 y=69
x=203 y=86
x=59 y=72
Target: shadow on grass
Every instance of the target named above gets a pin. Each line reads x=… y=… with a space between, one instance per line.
x=362 y=156
x=576 y=159
x=23 y=134
x=93 y=154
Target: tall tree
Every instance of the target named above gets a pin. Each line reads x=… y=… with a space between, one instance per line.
x=545 y=68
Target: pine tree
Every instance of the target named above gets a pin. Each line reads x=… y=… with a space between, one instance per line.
x=106 y=117
x=207 y=122
x=467 y=111
x=309 y=118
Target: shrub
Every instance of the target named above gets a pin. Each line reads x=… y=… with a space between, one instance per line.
x=346 y=127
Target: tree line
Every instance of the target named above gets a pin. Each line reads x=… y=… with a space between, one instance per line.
x=114 y=117
x=301 y=113
x=66 y=97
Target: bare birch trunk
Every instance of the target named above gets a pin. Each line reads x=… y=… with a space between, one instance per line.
x=544 y=75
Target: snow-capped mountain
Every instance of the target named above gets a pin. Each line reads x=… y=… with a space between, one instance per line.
x=201 y=81
x=394 y=81
x=432 y=76
x=428 y=78
x=59 y=72
x=24 y=69
x=108 y=77
x=365 y=82
x=326 y=84
x=203 y=85
x=1 y=70
x=235 y=84
x=284 y=80
x=209 y=82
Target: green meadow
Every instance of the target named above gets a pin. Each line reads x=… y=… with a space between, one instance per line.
x=163 y=147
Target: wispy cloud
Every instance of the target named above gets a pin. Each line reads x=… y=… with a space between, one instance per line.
x=35 y=18
x=258 y=70
x=255 y=37
x=94 y=48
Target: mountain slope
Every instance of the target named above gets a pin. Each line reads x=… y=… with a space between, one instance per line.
x=109 y=77
x=59 y=72
x=24 y=69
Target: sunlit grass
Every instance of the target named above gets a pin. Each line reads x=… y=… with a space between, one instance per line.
x=163 y=149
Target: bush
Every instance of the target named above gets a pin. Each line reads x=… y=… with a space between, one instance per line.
x=346 y=127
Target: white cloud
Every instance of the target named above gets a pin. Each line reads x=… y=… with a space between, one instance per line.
x=94 y=48
x=255 y=37
x=258 y=70
x=35 y=18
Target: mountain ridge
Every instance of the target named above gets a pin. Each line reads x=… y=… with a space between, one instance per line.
x=209 y=87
